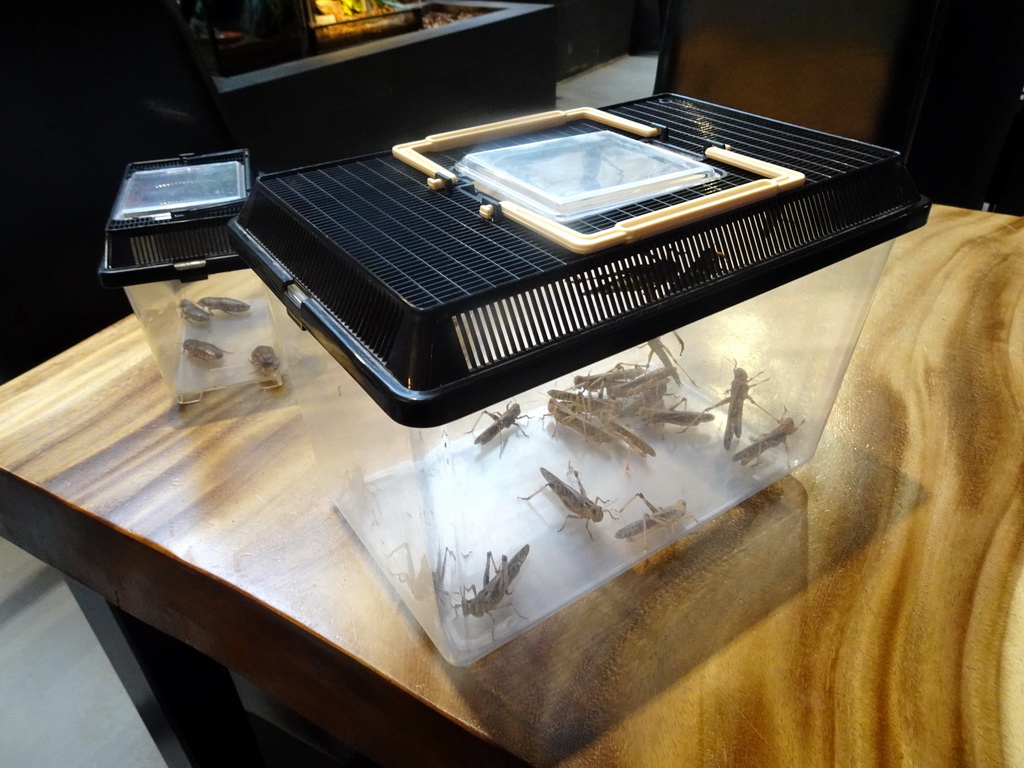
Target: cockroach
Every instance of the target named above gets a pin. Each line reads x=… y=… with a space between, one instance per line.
x=493 y=590
x=739 y=393
x=264 y=359
x=658 y=516
x=192 y=313
x=223 y=304
x=505 y=420
x=766 y=441
x=202 y=350
x=580 y=505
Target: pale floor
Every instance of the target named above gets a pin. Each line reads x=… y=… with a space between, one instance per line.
x=61 y=704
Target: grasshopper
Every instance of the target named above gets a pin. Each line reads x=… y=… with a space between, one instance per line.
x=617 y=375
x=672 y=416
x=658 y=348
x=585 y=404
x=648 y=279
x=592 y=429
x=768 y=440
x=658 y=516
x=493 y=590
x=505 y=420
x=739 y=393
x=630 y=439
x=652 y=382
x=579 y=504
x=577 y=401
x=594 y=419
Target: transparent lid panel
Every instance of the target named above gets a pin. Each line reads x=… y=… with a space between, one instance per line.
x=576 y=176
x=164 y=190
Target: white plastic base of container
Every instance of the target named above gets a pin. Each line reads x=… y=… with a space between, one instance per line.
x=431 y=505
x=186 y=350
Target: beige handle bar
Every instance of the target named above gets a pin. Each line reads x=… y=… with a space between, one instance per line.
x=776 y=179
x=410 y=152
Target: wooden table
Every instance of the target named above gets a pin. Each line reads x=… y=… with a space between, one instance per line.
x=868 y=610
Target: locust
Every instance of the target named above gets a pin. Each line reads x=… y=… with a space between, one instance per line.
x=617 y=375
x=579 y=504
x=223 y=304
x=647 y=279
x=505 y=420
x=192 y=313
x=585 y=404
x=766 y=441
x=658 y=516
x=631 y=439
x=264 y=359
x=493 y=590
x=708 y=262
x=592 y=429
x=658 y=348
x=202 y=350
x=653 y=382
x=578 y=401
x=672 y=416
x=599 y=426
x=739 y=393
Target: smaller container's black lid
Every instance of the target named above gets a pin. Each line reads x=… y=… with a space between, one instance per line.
x=169 y=220
x=437 y=311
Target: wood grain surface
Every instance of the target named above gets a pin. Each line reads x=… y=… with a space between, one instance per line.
x=866 y=611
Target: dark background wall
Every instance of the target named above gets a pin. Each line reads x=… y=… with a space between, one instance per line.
x=939 y=80
x=590 y=32
x=367 y=98
x=83 y=92
x=968 y=149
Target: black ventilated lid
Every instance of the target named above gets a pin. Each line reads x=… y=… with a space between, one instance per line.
x=173 y=238
x=438 y=312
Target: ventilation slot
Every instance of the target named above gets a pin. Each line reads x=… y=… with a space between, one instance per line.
x=370 y=312
x=182 y=245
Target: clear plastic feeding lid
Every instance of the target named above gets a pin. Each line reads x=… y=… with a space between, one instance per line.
x=575 y=176
x=163 y=190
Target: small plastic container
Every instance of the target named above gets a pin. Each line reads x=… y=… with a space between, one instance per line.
x=513 y=421
x=206 y=316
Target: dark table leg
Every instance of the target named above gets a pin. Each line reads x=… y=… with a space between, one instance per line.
x=187 y=701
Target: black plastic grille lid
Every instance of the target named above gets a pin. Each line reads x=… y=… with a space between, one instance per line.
x=439 y=312
x=189 y=245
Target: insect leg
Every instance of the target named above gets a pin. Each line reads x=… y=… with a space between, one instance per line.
x=527 y=498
